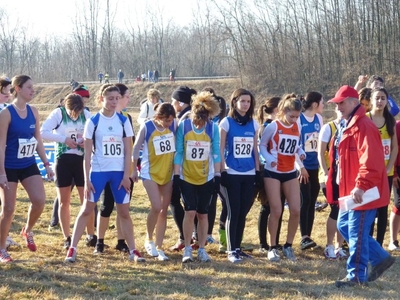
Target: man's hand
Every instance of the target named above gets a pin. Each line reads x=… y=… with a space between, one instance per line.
x=357 y=195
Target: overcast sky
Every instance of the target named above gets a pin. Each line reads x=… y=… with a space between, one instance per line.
x=47 y=17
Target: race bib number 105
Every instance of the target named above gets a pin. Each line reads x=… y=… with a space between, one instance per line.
x=26 y=148
x=112 y=146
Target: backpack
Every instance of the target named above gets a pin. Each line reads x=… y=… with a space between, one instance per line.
x=95 y=119
x=147 y=106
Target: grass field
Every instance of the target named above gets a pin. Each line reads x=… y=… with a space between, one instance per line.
x=44 y=275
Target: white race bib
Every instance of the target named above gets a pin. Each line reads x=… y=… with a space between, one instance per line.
x=26 y=148
x=386 y=148
x=197 y=150
x=243 y=147
x=164 y=144
x=287 y=144
x=311 y=143
x=112 y=146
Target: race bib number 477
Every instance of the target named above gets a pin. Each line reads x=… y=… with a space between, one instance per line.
x=26 y=147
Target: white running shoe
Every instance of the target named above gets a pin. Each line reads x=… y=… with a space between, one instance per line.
x=202 y=255
x=136 y=256
x=151 y=248
x=330 y=252
x=10 y=242
x=161 y=256
x=273 y=255
x=394 y=246
x=340 y=253
x=71 y=255
x=187 y=255
x=289 y=253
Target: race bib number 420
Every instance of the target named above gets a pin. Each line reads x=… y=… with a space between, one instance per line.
x=197 y=150
x=164 y=144
x=27 y=147
x=112 y=146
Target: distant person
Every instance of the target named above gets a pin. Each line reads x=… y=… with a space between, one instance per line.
x=143 y=77
x=100 y=76
x=172 y=75
x=74 y=84
x=156 y=76
x=120 y=76
x=150 y=75
x=106 y=78
x=5 y=85
x=373 y=82
x=147 y=105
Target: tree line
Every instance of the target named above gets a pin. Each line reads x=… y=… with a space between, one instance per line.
x=282 y=45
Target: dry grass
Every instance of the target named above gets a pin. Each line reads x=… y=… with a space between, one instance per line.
x=44 y=275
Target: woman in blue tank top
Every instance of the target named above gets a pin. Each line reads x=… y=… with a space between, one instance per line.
x=20 y=132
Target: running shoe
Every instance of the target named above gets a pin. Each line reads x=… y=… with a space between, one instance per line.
x=289 y=253
x=340 y=253
x=346 y=282
x=320 y=206
x=4 y=256
x=329 y=252
x=394 y=246
x=273 y=255
x=345 y=246
x=10 y=242
x=123 y=247
x=161 y=256
x=263 y=250
x=307 y=243
x=91 y=240
x=202 y=255
x=234 y=257
x=53 y=228
x=28 y=237
x=180 y=244
x=71 y=255
x=187 y=255
x=67 y=243
x=243 y=255
x=150 y=248
x=99 y=249
x=377 y=270
x=136 y=256
x=211 y=240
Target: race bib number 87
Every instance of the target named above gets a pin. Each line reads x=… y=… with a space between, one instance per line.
x=197 y=150
x=26 y=148
x=112 y=146
x=287 y=144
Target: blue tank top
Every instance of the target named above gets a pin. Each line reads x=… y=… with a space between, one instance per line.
x=240 y=143
x=20 y=131
x=309 y=140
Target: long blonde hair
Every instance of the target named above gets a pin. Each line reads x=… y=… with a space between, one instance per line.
x=204 y=108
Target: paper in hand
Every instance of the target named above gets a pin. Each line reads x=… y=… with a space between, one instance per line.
x=347 y=202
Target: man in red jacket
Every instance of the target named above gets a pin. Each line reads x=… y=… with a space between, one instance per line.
x=361 y=167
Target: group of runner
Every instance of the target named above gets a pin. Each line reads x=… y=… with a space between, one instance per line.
x=188 y=152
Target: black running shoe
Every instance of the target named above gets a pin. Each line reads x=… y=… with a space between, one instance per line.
x=307 y=243
x=123 y=247
x=99 y=249
x=91 y=241
x=67 y=243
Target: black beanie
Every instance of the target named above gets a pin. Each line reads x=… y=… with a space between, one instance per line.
x=183 y=94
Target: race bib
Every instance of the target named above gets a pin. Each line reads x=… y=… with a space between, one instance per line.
x=311 y=143
x=164 y=144
x=112 y=146
x=26 y=148
x=386 y=148
x=243 y=147
x=287 y=144
x=197 y=150
x=72 y=133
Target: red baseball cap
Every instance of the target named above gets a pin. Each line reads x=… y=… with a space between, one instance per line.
x=344 y=92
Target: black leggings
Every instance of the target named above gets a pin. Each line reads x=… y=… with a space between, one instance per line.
x=382 y=216
x=309 y=194
x=107 y=200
